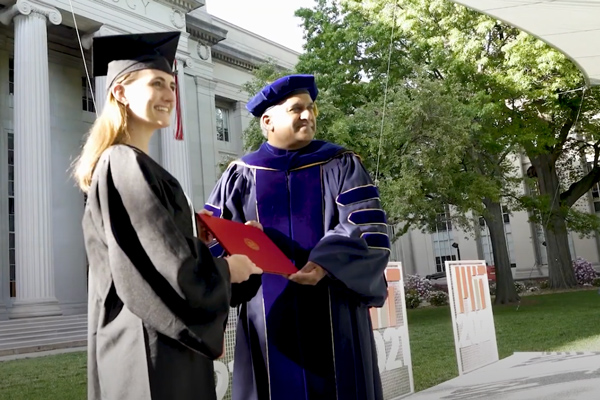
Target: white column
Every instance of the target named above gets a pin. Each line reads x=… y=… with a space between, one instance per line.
x=238 y=124
x=100 y=91
x=33 y=190
x=174 y=153
x=205 y=89
x=155 y=147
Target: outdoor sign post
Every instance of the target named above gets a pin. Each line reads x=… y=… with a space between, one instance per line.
x=390 y=329
x=472 y=317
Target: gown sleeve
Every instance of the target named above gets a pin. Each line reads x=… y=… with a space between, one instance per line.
x=356 y=250
x=227 y=201
x=166 y=278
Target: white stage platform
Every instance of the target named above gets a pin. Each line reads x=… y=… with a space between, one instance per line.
x=525 y=376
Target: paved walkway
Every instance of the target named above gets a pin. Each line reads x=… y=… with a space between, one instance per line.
x=525 y=376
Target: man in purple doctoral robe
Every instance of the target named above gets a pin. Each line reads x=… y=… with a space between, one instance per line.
x=308 y=336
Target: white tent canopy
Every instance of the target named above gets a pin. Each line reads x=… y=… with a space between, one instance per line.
x=570 y=26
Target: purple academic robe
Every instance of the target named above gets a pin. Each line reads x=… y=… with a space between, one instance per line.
x=297 y=342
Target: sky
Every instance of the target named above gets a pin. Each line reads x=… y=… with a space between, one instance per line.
x=272 y=19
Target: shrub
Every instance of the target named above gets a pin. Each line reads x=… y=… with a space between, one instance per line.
x=596 y=282
x=520 y=287
x=438 y=298
x=545 y=284
x=419 y=284
x=492 y=288
x=412 y=299
x=441 y=288
x=584 y=272
x=530 y=284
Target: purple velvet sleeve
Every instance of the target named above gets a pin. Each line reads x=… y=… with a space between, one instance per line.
x=355 y=250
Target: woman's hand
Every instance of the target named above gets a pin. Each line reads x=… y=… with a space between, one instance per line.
x=241 y=267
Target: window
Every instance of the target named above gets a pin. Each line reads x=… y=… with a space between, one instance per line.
x=222 y=124
x=11 y=76
x=442 y=239
x=440 y=262
x=506 y=215
x=443 y=222
x=11 y=214
x=87 y=98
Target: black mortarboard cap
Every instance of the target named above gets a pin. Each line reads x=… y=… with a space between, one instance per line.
x=116 y=55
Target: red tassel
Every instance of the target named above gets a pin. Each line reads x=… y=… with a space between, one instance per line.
x=178 y=119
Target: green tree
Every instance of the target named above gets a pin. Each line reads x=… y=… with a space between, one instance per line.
x=423 y=165
x=540 y=88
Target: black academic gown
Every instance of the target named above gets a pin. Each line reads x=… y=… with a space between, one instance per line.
x=158 y=300
x=297 y=342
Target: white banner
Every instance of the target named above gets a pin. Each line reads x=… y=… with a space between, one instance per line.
x=472 y=317
x=390 y=330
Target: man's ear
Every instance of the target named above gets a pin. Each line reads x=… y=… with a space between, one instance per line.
x=118 y=92
x=266 y=120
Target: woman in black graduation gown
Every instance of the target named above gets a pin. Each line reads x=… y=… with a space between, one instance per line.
x=158 y=300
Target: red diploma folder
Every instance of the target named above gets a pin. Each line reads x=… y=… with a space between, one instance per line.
x=237 y=238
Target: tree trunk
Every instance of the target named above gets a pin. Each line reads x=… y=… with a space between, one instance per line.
x=560 y=268
x=505 y=286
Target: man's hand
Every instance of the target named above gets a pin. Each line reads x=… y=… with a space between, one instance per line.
x=203 y=233
x=255 y=224
x=310 y=274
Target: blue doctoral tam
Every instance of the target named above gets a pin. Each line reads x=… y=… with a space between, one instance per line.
x=279 y=90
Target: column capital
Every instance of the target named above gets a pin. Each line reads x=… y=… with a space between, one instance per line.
x=28 y=7
x=184 y=60
x=104 y=30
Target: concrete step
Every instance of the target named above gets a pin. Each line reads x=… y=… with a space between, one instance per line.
x=48 y=333
x=40 y=328
x=45 y=340
x=32 y=347
x=42 y=320
x=22 y=336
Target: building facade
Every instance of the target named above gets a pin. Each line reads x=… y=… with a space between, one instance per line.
x=47 y=105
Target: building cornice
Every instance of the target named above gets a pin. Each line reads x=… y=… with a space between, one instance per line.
x=236 y=57
x=203 y=31
x=183 y=5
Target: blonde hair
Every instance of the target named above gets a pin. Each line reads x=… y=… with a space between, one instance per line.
x=110 y=128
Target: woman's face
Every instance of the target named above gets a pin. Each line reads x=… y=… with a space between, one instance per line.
x=150 y=97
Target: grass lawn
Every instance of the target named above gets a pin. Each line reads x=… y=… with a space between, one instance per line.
x=61 y=377
x=552 y=322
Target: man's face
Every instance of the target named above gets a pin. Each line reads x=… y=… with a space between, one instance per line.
x=292 y=123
